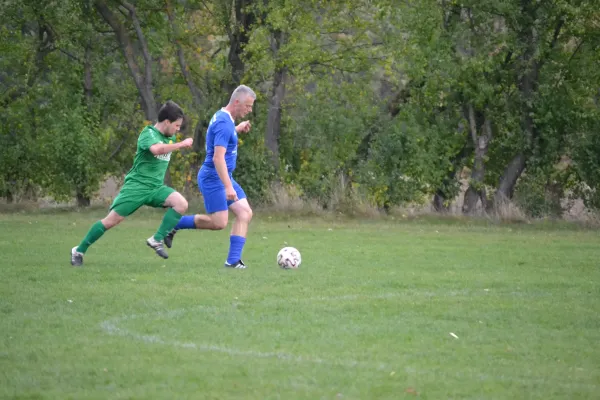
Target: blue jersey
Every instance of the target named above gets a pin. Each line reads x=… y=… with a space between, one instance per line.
x=221 y=132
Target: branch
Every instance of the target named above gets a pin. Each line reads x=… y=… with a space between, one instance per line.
x=507 y=58
x=576 y=51
x=143 y=42
x=107 y=31
x=557 y=29
x=317 y=63
x=213 y=55
x=227 y=21
x=122 y=38
x=70 y=55
x=185 y=71
x=116 y=151
x=45 y=46
x=124 y=41
x=207 y=9
x=472 y=124
x=348 y=48
x=471 y=22
x=123 y=12
x=342 y=53
x=567 y=74
x=487 y=128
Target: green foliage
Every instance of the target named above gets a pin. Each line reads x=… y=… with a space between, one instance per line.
x=408 y=157
x=180 y=168
x=587 y=164
x=321 y=138
x=540 y=193
x=254 y=170
x=19 y=154
x=376 y=93
x=72 y=150
x=59 y=139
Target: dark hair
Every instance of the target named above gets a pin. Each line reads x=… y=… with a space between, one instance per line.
x=171 y=111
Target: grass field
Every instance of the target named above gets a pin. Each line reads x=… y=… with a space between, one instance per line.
x=377 y=310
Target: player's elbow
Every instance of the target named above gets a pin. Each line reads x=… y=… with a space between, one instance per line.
x=156 y=149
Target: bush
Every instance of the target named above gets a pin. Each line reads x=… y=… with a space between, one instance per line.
x=540 y=193
x=254 y=171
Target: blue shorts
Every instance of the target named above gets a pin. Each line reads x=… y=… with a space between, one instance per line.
x=213 y=190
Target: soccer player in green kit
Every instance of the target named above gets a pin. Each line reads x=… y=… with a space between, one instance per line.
x=144 y=183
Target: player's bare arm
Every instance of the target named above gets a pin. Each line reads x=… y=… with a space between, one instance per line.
x=163 y=148
x=243 y=127
x=221 y=167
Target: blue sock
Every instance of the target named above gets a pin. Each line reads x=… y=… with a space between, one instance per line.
x=186 y=222
x=236 y=245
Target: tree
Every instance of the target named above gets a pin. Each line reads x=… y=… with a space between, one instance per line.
x=141 y=72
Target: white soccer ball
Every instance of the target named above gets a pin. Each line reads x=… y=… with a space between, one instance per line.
x=289 y=258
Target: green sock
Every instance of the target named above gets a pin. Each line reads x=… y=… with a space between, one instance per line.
x=170 y=220
x=95 y=233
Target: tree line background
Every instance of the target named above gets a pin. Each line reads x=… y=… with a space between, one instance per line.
x=381 y=101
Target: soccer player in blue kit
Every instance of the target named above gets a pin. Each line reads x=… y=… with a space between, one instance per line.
x=220 y=191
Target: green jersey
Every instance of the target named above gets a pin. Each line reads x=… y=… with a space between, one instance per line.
x=149 y=170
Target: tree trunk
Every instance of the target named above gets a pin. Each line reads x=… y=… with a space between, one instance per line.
x=238 y=37
x=82 y=199
x=476 y=190
x=440 y=200
x=274 y=116
x=185 y=70
x=198 y=149
x=8 y=195
x=275 y=101
x=199 y=139
x=509 y=178
x=87 y=76
x=528 y=86
x=143 y=80
x=197 y=97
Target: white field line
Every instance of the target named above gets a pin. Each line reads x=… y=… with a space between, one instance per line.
x=111 y=326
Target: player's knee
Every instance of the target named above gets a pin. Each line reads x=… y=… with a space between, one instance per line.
x=248 y=214
x=111 y=221
x=219 y=224
x=181 y=205
x=244 y=214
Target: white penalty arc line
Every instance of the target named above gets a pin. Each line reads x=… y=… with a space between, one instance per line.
x=112 y=327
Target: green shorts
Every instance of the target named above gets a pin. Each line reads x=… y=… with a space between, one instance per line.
x=132 y=197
